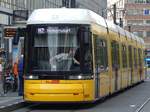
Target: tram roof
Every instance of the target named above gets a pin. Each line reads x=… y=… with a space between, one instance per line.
x=75 y=16
x=64 y=15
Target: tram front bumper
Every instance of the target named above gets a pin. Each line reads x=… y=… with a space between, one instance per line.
x=54 y=92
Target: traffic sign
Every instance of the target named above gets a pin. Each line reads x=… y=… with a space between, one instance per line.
x=10 y=32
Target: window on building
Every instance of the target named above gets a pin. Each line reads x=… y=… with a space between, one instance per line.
x=138 y=1
x=147 y=1
x=135 y=12
x=148 y=21
x=138 y=33
x=147 y=45
x=101 y=54
x=146 y=11
x=135 y=22
x=148 y=33
x=131 y=1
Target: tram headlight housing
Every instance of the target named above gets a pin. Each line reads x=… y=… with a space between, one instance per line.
x=81 y=77
x=31 y=77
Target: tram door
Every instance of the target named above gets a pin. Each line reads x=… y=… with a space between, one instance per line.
x=101 y=66
x=115 y=64
x=97 y=83
x=97 y=80
x=130 y=64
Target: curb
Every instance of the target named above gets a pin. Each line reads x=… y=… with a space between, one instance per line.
x=13 y=106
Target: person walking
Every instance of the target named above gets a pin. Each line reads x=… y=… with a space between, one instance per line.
x=1 y=71
x=20 y=77
x=15 y=73
x=6 y=79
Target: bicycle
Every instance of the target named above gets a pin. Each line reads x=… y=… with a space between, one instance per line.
x=8 y=82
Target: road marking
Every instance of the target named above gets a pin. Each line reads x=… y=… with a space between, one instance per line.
x=2 y=106
x=9 y=104
x=132 y=106
x=16 y=102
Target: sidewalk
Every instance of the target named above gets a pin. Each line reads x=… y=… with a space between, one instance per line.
x=9 y=100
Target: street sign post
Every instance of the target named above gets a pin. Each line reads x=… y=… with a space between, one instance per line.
x=9 y=32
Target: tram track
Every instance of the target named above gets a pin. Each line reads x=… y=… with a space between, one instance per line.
x=141 y=107
x=25 y=108
x=49 y=107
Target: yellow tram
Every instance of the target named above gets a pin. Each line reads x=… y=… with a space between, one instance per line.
x=75 y=55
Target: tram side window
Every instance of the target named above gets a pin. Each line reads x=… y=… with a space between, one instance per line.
x=135 y=57
x=124 y=56
x=130 y=56
x=115 y=55
x=142 y=55
x=140 y=58
x=101 y=58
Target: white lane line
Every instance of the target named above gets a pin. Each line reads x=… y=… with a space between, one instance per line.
x=2 y=106
x=9 y=104
x=16 y=102
x=132 y=106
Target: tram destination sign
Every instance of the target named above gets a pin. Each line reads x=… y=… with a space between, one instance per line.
x=53 y=30
x=9 y=32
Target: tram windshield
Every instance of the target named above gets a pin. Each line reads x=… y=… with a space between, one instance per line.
x=61 y=48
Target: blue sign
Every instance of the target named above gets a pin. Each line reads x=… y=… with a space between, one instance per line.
x=147 y=59
x=146 y=12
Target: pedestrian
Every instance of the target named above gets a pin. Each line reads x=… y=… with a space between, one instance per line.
x=15 y=73
x=20 y=77
x=1 y=71
x=5 y=78
x=1 y=76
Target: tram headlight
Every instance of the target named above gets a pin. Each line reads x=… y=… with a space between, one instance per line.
x=31 y=77
x=81 y=77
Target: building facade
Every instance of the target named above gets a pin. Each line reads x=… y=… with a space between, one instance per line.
x=137 y=18
x=94 y=5
x=135 y=15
